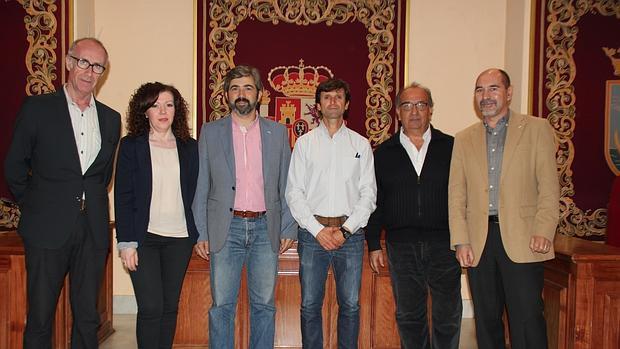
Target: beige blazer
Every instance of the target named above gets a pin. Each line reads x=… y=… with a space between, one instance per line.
x=529 y=191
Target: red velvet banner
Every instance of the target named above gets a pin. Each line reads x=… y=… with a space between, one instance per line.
x=361 y=42
x=571 y=67
x=34 y=37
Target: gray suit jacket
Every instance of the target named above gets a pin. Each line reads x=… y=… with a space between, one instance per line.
x=215 y=191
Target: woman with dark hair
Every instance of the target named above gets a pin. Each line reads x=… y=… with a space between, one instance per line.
x=156 y=175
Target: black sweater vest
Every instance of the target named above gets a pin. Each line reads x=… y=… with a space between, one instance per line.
x=411 y=207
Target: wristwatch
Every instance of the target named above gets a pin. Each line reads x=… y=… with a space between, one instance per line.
x=345 y=233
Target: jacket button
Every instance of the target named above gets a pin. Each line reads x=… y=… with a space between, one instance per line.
x=233 y=188
x=230 y=209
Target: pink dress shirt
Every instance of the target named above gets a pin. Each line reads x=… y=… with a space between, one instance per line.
x=250 y=194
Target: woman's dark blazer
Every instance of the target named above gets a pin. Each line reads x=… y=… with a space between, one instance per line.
x=134 y=182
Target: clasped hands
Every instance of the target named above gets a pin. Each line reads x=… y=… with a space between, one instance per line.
x=330 y=238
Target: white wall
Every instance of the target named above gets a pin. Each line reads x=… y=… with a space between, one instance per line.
x=450 y=43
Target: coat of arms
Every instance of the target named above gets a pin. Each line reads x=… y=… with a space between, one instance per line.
x=297 y=109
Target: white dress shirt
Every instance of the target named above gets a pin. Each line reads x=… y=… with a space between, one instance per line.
x=416 y=156
x=86 y=131
x=331 y=177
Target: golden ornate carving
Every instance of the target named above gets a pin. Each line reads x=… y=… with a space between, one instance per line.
x=41 y=26
x=615 y=61
x=559 y=76
x=377 y=16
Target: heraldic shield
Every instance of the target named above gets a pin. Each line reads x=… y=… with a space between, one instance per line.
x=297 y=109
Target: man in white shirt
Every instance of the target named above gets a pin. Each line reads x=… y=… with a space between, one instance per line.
x=331 y=192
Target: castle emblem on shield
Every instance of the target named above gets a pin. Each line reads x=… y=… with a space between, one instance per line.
x=298 y=84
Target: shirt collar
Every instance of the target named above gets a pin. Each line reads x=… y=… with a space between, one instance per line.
x=250 y=126
x=503 y=122
x=426 y=136
x=325 y=131
x=70 y=101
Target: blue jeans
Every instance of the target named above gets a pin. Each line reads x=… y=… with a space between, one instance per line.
x=415 y=269
x=314 y=262
x=247 y=243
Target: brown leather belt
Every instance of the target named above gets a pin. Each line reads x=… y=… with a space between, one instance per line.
x=331 y=221
x=248 y=214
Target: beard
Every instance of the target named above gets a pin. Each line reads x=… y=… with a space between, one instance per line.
x=489 y=107
x=242 y=109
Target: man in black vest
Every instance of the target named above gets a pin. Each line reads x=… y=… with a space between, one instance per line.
x=58 y=168
x=412 y=169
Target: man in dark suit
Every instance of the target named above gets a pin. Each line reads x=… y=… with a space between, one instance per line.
x=58 y=168
x=240 y=210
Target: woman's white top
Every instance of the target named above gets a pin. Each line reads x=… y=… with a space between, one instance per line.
x=167 y=215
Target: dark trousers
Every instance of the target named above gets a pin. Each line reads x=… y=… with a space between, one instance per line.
x=416 y=268
x=46 y=270
x=497 y=282
x=162 y=263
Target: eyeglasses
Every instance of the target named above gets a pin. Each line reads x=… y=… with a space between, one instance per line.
x=408 y=106
x=85 y=64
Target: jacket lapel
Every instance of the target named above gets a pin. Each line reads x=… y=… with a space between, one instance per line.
x=266 y=139
x=143 y=154
x=479 y=151
x=516 y=125
x=182 y=168
x=226 y=141
x=103 y=128
x=66 y=132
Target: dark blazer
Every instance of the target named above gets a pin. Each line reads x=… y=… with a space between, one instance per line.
x=133 y=186
x=42 y=169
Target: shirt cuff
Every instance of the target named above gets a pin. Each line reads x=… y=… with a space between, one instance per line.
x=126 y=244
x=315 y=227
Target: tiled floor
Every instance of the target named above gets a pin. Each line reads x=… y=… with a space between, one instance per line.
x=125 y=326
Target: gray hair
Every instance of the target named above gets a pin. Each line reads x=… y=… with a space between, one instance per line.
x=415 y=85
x=241 y=71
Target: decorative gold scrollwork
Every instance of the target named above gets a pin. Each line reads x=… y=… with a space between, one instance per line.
x=41 y=26
x=559 y=76
x=377 y=16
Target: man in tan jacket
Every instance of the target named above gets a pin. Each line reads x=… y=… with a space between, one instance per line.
x=503 y=212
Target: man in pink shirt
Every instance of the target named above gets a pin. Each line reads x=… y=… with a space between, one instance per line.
x=240 y=210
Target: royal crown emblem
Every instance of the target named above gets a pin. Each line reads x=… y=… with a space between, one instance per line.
x=297 y=109
x=298 y=81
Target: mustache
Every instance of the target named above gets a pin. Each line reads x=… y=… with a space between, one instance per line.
x=242 y=99
x=488 y=102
